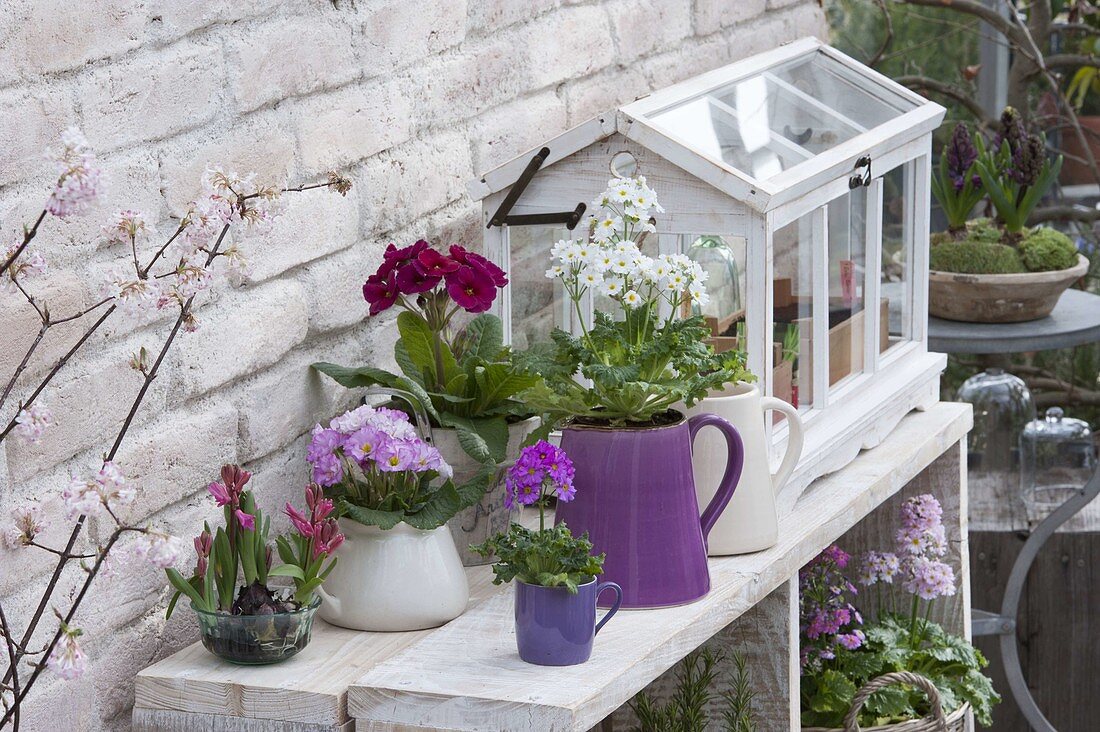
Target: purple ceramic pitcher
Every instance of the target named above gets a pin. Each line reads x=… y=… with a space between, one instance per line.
x=555 y=627
x=636 y=499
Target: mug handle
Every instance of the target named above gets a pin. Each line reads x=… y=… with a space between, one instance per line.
x=795 y=439
x=614 y=607
x=734 y=465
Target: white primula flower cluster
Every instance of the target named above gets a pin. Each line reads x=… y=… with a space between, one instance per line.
x=612 y=263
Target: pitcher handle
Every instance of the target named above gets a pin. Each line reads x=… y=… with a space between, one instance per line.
x=734 y=465
x=795 y=439
x=614 y=607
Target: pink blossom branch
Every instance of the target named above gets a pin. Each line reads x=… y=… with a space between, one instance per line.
x=28 y=234
x=13 y=665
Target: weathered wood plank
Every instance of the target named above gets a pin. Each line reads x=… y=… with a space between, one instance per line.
x=467 y=675
x=309 y=688
x=1057 y=648
x=160 y=720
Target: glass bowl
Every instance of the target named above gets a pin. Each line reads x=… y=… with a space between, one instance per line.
x=255 y=640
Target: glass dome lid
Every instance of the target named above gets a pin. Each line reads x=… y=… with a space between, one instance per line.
x=778 y=118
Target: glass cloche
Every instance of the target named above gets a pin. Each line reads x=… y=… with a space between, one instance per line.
x=1002 y=407
x=1057 y=458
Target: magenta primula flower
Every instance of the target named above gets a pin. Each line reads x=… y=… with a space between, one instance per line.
x=411 y=281
x=431 y=263
x=462 y=256
x=472 y=289
x=380 y=291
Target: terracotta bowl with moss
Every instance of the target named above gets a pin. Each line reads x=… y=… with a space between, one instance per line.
x=979 y=278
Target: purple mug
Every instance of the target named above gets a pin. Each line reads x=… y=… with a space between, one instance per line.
x=555 y=627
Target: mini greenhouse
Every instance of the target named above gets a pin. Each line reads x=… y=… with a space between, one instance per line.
x=799 y=179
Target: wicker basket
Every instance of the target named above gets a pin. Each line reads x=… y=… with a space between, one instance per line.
x=938 y=722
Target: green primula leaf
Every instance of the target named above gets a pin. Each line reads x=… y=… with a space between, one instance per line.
x=408 y=368
x=419 y=343
x=370 y=516
x=498 y=382
x=416 y=337
x=484 y=338
x=440 y=506
x=354 y=377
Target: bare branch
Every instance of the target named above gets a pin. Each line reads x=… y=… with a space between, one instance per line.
x=966 y=98
x=1064 y=213
x=888 y=22
x=971 y=7
x=27 y=236
x=1062 y=60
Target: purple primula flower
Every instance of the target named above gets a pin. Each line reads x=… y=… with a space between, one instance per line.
x=323 y=443
x=930 y=578
x=365 y=443
x=540 y=467
x=327 y=470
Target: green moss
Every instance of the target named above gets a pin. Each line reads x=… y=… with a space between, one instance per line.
x=975 y=257
x=983 y=251
x=1045 y=250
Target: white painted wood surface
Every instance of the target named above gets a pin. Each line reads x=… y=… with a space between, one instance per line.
x=468 y=675
x=310 y=688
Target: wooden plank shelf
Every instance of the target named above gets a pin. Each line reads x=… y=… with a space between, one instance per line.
x=468 y=676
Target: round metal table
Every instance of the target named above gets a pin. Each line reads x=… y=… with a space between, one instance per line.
x=1074 y=322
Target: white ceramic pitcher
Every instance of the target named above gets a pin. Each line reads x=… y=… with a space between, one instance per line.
x=398 y=579
x=750 y=522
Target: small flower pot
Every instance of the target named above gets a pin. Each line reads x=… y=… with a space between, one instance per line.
x=394 y=579
x=555 y=627
x=255 y=640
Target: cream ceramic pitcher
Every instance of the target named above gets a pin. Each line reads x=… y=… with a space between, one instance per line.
x=750 y=522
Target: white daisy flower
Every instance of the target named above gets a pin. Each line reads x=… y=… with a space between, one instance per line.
x=554 y=272
x=611 y=288
x=632 y=299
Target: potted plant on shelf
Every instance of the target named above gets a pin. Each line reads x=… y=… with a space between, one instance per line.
x=464 y=378
x=399 y=568
x=899 y=671
x=1000 y=270
x=631 y=449
x=555 y=572
x=256 y=623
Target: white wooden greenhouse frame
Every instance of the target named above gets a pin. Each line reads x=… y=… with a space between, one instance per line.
x=704 y=194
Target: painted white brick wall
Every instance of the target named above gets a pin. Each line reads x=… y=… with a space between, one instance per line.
x=410 y=98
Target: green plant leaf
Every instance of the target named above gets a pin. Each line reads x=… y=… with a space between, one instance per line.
x=410 y=369
x=440 y=506
x=419 y=342
x=352 y=377
x=184 y=586
x=500 y=381
x=287 y=570
x=484 y=337
x=370 y=516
